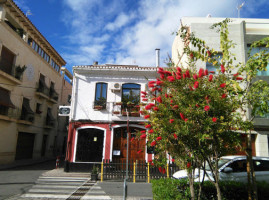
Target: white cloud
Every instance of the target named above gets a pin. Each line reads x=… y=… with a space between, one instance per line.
x=111 y=32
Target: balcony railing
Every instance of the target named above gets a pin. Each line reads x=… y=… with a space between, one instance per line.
x=121 y=109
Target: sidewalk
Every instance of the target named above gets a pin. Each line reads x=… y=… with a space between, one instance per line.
x=21 y=163
x=114 y=189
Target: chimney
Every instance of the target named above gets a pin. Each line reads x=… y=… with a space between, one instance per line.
x=157 y=57
x=95 y=63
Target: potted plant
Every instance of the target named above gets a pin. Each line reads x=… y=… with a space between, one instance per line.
x=94 y=173
x=19 y=71
x=135 y=114
x=118 y=103
x=98 y=107
x=130 y=104
x=116 y=112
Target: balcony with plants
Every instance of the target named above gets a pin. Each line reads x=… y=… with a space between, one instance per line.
x=100 y=104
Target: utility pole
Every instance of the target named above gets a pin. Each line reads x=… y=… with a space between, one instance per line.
x=239 y=7
x=127 y=157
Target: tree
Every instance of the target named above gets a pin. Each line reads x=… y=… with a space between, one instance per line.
x=195 y=118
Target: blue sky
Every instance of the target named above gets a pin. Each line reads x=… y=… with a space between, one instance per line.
x=123 y=31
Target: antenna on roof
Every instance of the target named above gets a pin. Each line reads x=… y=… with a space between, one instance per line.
x=239 y=7
x=28 y=12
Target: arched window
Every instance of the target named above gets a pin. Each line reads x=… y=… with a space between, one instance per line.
x=131 y=93
x=100 y=94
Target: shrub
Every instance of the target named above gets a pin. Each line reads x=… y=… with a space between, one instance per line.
x=179 y=189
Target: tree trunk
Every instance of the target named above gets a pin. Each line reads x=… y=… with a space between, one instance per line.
x=191 y=181
x=218 y=190
x=252 y=187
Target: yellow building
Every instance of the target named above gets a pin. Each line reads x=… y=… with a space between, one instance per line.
x=31 y=89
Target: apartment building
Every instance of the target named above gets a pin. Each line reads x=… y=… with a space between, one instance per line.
x=242 y=32
x=102 y=97
x=31 y=89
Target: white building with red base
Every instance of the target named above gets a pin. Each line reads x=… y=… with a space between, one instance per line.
x=102 y=97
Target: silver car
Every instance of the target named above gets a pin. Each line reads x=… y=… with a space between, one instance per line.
x=233 y=168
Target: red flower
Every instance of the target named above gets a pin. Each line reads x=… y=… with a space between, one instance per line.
x=178 y=77
x=146 y=116
x=132 y=139
x=152 y=164
x=208 y=53
x=139 y=151
x=143 y=96
x=223 y=85
x=171 y=101
x=175 y=136
x=153 y=143
x=148 y=107
x=212 y=72
x=201 y=73
x=159 y=99
x=206 y=72
x=195 y=76
x=186 y=120
x=151 y=131
x=175 y=107
x=188 y=74
x=197 y=106
x=173 y=160
x=155 y=108
x=210 y=77
x=188 y=165
x=150 y=161
x=151 y=85
x=214 y=119
x=143 y=136
x=162 y=76
x=145 y=99
x=171 y=121
x=148 y=126
x=160 y=70
x=235 y=75
x=179 y=69
x=239 y=78
x=182 y=116
x=168 y=73
x=171 y=78
x=144 y=93
x=143 y=131
x=222 y=68
x=223 y=96
x=159 y=138
x=151 y=82
x=184 y=76
x=196 y=84
x=159 y=83
x=206 y=108
x=163 y=171
x=166 y=95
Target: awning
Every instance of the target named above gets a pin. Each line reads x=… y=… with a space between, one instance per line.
x=26 y=106
x=5 y=98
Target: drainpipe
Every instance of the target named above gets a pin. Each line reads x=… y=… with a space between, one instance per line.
x=157 y=57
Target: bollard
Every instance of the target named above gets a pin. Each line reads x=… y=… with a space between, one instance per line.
x=148 y=174
x=57 y=161
x=134 y=173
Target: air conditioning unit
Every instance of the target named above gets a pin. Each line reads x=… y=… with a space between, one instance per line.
x=116 y=87
x=64 y=110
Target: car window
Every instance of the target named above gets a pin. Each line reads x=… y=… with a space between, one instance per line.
x=220 y=164
x=238 y=166
x=261 y=165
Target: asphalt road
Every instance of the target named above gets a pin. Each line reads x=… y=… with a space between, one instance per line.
x=16 y=181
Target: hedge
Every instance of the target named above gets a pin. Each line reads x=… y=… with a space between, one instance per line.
x=179 y=189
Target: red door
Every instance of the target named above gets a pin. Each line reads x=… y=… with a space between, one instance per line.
x=136 y=145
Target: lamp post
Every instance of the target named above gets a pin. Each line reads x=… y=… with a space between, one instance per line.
x=127 y=157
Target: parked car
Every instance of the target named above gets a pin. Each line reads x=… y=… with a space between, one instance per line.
x=233 y=168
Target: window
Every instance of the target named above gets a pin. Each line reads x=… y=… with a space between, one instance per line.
x=100 y=94
x=261 y=165
x=130 y=93
x=239 y=166
x=257 y=50
x=6 y=60
x=210 y=66
x=50 y=119
x=5 y=102
x=26 y=111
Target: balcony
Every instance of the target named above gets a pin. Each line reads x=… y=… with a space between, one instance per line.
x=100 y=104
x=120 y=110
x=13 y=75
x=9 y=114
x=45 y=92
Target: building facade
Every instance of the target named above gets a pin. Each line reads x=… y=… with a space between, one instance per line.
x=31 y=86
x=102 y=97
x=242 y=32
